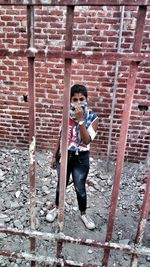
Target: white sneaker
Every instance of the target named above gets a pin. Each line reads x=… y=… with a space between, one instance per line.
x=88 y=222
x=51 y=215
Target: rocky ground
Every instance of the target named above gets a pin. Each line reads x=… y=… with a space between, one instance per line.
x=14 y=208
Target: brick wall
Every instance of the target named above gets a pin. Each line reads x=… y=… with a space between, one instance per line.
x=95 y=28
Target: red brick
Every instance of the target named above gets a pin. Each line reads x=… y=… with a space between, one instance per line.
x=98 y=75
x=6 y=18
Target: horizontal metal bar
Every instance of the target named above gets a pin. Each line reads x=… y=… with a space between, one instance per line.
x=45 y=260
x=67 y=239
x=76 y=2
x=33 y=52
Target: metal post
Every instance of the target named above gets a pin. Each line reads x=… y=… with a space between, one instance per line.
x=143 y=218
x=65 y=122
x=32 y=126
x=115 y=88
x=124 y=128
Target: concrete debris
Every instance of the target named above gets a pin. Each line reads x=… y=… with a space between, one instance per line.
x=15 y=207
x=2 y=175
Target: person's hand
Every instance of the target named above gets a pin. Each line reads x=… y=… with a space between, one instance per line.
x=53 y=163
x=79 y=113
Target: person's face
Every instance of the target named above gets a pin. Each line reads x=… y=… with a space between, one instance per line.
x=78 y=98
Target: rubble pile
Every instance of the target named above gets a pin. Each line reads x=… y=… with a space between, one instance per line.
x=15 y=207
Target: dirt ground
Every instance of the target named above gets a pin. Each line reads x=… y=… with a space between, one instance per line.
x=14 y=208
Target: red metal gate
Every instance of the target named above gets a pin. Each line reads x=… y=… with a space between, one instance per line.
x=68 y=54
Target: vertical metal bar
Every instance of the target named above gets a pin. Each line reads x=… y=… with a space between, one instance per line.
x=124 y=128
x=32 y=126
x=65 y=121
x=148 y=157
x=139 y=29
x=115 y=87
x=143 y=219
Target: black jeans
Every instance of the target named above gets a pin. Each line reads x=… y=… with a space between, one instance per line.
x=78 y=166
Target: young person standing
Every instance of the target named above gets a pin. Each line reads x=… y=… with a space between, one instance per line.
x=83 y=124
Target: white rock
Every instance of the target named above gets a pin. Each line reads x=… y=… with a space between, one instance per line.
x=104 y=177
x=90 y=251
x=45 y=189
x=42 y=212
x=17 y=194
x=96 y=186
x=75 y=208
x=92 y=189
x=17 y=224
x=14 y=205
x=2 y=236
x=2 y=175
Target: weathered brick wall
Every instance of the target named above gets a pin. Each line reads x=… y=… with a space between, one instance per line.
x=95 y=28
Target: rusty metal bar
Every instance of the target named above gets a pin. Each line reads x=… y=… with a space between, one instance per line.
x=32 y=126
x=148 y=157
x=76 y=2
x=60 y=262
x=143 y=219
x=124 y=129
x=122 y=9
x=129 y=249
x=46 y=260
x=30 y=27
x=65 y=122
x=139 y=29
x=65 y=119
x=33 y=52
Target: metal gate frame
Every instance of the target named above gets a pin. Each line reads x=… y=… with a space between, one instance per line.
x=67 y=54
